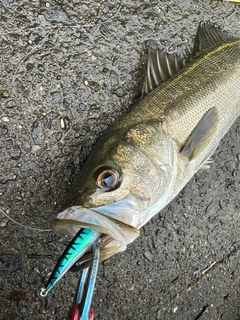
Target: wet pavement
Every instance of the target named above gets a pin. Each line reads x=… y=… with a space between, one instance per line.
x=67 y=71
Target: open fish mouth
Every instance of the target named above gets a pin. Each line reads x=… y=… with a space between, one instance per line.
x=114 y=235
x=88 y=227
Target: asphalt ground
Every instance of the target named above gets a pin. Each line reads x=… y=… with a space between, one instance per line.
x=68 y=70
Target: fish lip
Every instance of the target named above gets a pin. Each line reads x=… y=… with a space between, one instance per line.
x=71 y=219
x=115 y=234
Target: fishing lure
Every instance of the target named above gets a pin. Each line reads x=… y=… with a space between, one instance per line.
x=82 y=241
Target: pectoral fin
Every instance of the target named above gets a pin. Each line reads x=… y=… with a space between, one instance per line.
x=202 y=135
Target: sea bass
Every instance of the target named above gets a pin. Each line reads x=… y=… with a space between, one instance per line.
x=149 y=155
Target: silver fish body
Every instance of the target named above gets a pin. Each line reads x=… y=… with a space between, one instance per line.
x=147 y=157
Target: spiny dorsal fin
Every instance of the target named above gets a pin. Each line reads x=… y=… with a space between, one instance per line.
x=201 y=135
x=160 y=67
x=210 y=35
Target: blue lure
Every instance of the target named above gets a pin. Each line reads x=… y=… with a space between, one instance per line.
x=82 y=241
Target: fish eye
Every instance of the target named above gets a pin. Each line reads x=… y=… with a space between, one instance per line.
x=107 y=179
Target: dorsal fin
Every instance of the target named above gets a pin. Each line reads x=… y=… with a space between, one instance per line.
x=160 y=67
x=210 y=35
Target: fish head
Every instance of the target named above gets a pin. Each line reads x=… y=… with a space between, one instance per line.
x=126 y=179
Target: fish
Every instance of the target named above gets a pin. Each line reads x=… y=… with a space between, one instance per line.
x=147 y=157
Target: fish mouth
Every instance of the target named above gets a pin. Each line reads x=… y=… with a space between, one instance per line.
x=114 y=236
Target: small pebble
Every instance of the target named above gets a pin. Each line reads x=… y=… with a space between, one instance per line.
x=212 y=208
x=63 y=123
x=175 y=309
x=222 y=155
x=5 y=119
x=11 y=104
x=4 y=94
x=147 y=254
x=15 y=153
x=18 y=196
x=58 y=136
x=93 y=114
x=56 y=97
x=4 y=222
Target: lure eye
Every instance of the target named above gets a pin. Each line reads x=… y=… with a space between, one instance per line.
x=107 y=179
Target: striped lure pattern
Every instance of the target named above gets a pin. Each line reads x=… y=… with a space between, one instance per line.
x=82 y=241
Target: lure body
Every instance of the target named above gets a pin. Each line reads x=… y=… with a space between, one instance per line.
x=82 y=241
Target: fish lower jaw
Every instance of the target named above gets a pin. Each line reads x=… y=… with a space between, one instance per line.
x=113 y=235
x=108 y=248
